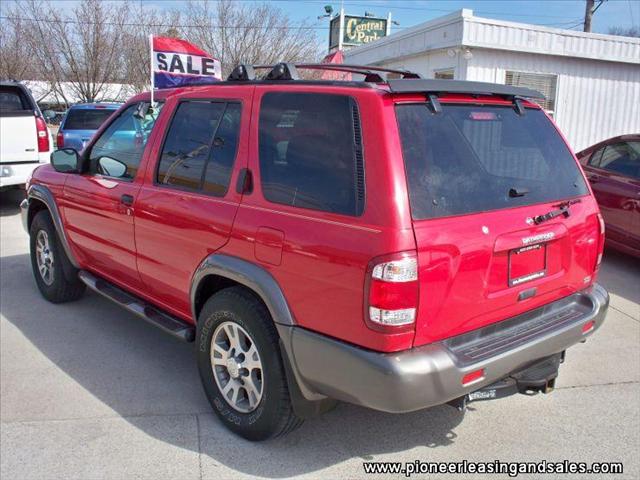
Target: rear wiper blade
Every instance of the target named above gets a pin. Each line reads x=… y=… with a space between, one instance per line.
x=518 y=192
x=563 y=209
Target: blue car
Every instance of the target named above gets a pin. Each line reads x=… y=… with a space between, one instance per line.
x=81 y=122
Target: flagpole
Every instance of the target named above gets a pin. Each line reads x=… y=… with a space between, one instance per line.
x=151 y=66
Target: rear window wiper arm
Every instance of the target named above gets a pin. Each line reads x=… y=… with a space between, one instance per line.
x=563 y=209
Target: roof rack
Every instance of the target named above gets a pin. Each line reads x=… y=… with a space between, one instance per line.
x=289 y=71
x=458 y=86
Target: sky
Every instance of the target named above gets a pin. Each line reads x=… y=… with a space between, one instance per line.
x=551 y=13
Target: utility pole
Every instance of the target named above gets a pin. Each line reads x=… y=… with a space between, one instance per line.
x=588 y=14
x=589 y=11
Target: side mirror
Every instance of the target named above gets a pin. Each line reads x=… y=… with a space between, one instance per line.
x=49 y=114
x=65 y=160
x=111 y=167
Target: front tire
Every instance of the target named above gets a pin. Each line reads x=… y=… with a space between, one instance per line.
x=49 y=260
x=241 y=366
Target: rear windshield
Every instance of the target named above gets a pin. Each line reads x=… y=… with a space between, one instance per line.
x=470 y=159
x=12 y=100
x=86 y=119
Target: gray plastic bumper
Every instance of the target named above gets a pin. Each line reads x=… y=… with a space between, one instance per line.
x=432 y=374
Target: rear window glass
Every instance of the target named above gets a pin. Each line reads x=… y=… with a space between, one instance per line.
x=470 y=159
x=86 y=119
x=12 y=99
x=311 y=152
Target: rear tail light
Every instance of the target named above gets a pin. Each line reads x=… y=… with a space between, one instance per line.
x=60 y=140
x=392 y=300
x=43 y=135
x=600 y=241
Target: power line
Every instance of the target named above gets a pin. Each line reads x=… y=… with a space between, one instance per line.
x=167 y=25
x=234 y=27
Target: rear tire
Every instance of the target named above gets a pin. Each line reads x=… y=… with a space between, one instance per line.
x=263 y=410
x=50 y=264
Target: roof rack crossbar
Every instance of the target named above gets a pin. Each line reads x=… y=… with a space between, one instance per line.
x=242 y=73
x=279 y=71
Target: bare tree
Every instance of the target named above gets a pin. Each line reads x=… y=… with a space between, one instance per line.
x=15 y=58
x=625 y=32
x=136 y=58
x=83 y=49
x=238 y=32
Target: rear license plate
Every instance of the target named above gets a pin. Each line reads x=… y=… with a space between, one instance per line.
x=527 y=264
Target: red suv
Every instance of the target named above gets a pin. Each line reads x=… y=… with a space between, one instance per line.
x=395 y=244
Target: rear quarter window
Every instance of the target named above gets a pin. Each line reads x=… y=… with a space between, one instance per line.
x=469 y=159
x=311 y=152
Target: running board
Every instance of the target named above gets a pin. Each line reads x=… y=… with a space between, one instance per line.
x=170 y=324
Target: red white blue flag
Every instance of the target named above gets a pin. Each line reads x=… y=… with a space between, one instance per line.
x=178 y=63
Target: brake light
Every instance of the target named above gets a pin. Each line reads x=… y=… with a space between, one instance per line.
x=60 y=140
x=600 y=241
x=43 y=135
x=392 y=300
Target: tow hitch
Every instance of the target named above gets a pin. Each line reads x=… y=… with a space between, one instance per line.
x=538 y=377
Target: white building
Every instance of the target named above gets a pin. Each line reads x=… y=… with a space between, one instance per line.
x=47 y=97
x=592 y=81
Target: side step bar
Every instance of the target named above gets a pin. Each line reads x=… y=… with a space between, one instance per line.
x=170 y=324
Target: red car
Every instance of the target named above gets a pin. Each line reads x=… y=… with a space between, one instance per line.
x=613 y=169
x=393 y=244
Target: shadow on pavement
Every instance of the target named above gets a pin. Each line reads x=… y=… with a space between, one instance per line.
x=10 y=201
x=136 y=370
x=619 y=273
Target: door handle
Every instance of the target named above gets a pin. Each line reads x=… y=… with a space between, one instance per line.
x=593 y=178
x=126 y=200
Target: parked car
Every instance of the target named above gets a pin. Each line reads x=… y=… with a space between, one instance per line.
x=81 y=122
x=396 y=245
x=25 y=141
x=613 y=169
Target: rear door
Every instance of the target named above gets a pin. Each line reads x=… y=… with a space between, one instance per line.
x=17 y=126
x=188 y=203
x=478 y=177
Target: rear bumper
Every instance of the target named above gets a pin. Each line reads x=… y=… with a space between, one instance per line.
x=16 y=173
x=432 y=374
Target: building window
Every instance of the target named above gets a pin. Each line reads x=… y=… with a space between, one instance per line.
x=446 y=74
x=542 y=82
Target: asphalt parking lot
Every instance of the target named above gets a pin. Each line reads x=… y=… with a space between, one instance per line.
x=90 y=391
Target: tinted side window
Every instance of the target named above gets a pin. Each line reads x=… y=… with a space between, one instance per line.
x=594 y=161
x=622 y=158
x=223 y=153
x=311 y=152
x=188 y=143
x=124 y=141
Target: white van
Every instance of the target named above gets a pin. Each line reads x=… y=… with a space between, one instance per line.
x=25 y=141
